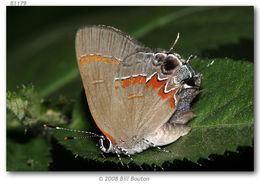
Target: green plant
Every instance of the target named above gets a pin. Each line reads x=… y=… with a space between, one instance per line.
x=225 y=108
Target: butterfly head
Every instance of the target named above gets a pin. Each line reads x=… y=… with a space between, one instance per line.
x=179 y=69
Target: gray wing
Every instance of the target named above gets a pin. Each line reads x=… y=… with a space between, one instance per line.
x=100 y=50
x=138 y=108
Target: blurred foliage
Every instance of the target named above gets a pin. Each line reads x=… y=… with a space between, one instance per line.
x=30 y=109
x=40 y=50
x=31 y=156
x=45 y=40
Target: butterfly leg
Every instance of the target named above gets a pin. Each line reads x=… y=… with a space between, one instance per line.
x=103 y=155
x=126 y=153
x=155 y=146
x=118 y=156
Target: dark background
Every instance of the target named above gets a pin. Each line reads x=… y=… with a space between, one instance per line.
x=40 y=50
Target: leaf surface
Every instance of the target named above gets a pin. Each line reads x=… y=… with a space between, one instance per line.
x=225 y=118
x=30 y=156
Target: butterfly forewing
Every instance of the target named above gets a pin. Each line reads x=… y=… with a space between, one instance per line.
x=100 y=50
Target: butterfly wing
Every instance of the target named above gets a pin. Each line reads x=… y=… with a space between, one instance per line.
x=100 y=50
x=141 y=101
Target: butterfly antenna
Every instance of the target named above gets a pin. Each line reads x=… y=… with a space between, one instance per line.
x=176 y=40
x=190 y=58
x=77 y=138
x=208 y=65
x=72 y=130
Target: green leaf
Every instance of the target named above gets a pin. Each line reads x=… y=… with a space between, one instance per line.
x=43 y=53
x=29 y=109
x=225 y=118
x=31 y=156
x=45 y=44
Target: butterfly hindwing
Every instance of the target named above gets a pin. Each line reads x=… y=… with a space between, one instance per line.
x=140 y=109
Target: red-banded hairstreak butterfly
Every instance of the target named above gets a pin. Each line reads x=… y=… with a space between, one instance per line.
x=137 y=97
x=132 y=92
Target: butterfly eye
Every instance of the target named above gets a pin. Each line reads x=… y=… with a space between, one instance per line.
x=190 y=82
x=158 y=60
x=169 y=64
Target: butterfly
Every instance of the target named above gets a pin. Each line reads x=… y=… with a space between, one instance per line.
x=138 y=98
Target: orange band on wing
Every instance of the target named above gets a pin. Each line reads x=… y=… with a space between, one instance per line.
x=169 y=94
x=166 y=95
x=125 y=82
x=172 y=103
x=139 y=79
x=117 y=83
x=143 y=80
x=92 y=58
x=116 y=62
x=162 y=94
x=155 y=82
x=106 y=134
x=135 y=95
x=135 y=80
